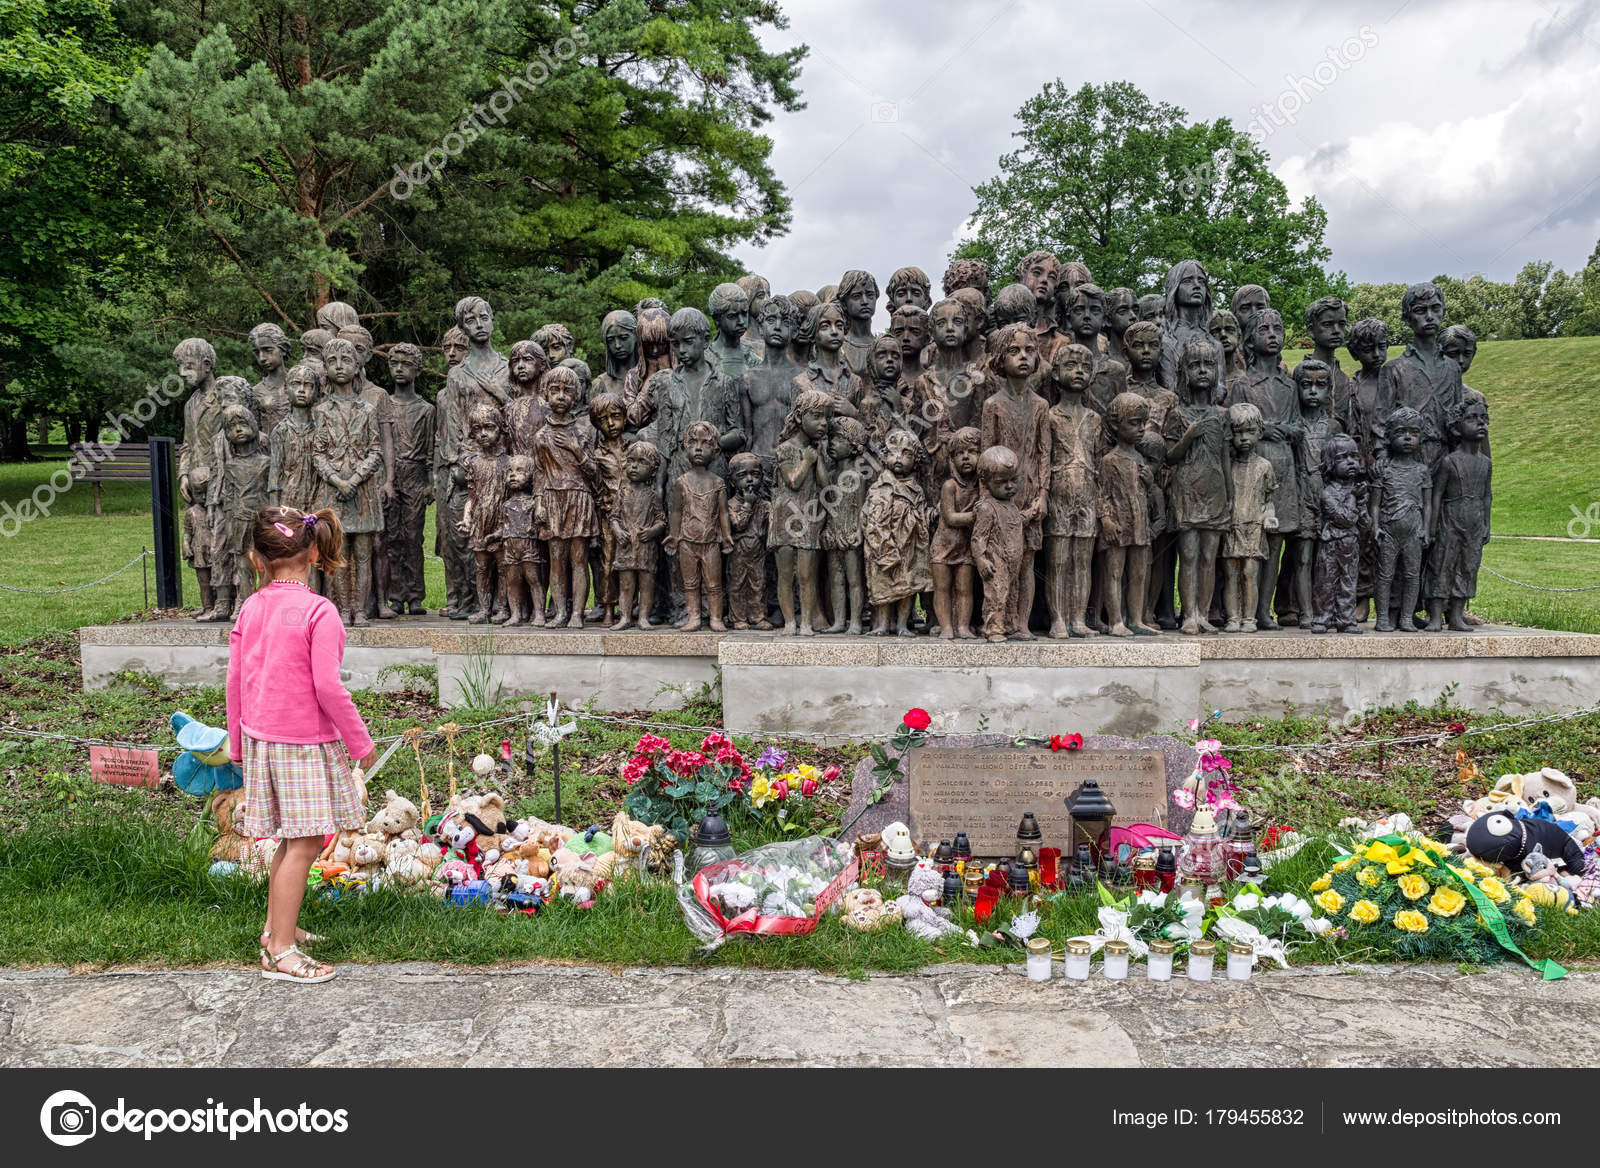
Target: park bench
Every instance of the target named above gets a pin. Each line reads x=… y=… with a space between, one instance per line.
x=124 y=462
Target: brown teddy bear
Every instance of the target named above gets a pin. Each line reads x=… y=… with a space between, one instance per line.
x=397 y=816
x=630 y=838
x=227 y=810
x=367 y=850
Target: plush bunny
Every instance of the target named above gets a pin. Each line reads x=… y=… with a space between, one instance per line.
x=923 y=920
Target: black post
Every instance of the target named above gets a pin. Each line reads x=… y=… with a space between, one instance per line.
x=166 y=516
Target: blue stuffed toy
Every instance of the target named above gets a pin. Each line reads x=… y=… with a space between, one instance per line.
x=204 y=766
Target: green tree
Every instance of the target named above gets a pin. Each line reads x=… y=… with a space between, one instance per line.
x=78 y=220
x=1131 y=187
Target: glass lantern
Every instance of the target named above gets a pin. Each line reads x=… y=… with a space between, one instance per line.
x=1116 y=964
x=1158 y=966
x=1092 y=813
x=1202 y=960
x=1203 y=856
x=1029 y=838
x=1038 y=959
x=712 y=844
x=1077 y=965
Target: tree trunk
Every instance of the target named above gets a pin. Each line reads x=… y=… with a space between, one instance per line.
x=73 y=425
x=14 y=440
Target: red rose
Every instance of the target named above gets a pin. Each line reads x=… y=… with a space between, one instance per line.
x=917 y=719
x=830 y=774
x=1066 y=742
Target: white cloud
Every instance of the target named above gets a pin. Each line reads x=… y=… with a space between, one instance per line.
x=1465 y=138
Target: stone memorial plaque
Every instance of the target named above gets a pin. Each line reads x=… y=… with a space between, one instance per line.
x=985 y=791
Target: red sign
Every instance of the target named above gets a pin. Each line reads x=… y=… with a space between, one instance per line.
x=125 y=766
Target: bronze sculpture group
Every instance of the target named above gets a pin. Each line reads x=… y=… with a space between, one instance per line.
x=772 y=463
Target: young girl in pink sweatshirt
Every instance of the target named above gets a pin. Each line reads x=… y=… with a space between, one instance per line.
x=291 y=721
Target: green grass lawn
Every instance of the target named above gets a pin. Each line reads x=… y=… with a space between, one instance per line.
x=95 y=876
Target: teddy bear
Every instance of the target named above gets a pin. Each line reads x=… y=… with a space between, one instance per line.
x=1501 y=838
x=397 y=816
x=367 y=852
x=924 y=921
x=631 y=839
x=925 y=881
x=231 y=844
x=486 y=815
x=409 y=861
x=865 y=910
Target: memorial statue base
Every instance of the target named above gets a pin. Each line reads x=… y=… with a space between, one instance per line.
x=862 y=685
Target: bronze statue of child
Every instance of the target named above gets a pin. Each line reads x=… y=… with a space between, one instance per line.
x=521 y=549
x=747 y=519
x=954 y=577
x=1142 y=343
x=1369 y=345
x=526 y=412
x=909 y=326
x=197 y=456
x=236 y=493
x=555 y=340
x=698 y=534
x=1126 y=484
x=944 y=389
x=619 y=332
x=908 y=286
x=1017 y=418
x=1122 y=309
x=997 y=539
x=292 y=476
x=1072 y=515
x=269 y=397
x=895 y=536
x=1461 y=515
x=857 y=297
x=828 y=371
x=766 y=389
x=843 y=499
x=568 y=478
x=608 y=414
x=1244 y=544
x=795 y=526
x=347 y=451
x=486 y=493
x=1402 y=516
x=1343 y=515
x=1313 y=380
x=638 y=524
x=1196 y=437
x=406 y=514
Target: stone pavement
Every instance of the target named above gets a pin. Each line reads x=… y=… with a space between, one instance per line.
x=952 y=1015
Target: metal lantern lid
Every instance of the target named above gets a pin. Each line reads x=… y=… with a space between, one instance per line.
x=1028 y=830
x=713 y=833
x=962 y=848
x=1166 y=861
x=1117 y=948
x=945 y=854
x=1089 y=803
x=1203 y=823
x=952 y=886
x=1018 y=876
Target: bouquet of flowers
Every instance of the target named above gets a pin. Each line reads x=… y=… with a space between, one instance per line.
x=785 y=792
x=676 y=788
x=1269 y=924
x=782 y=888
x=1413 y=895
x=1209 y=782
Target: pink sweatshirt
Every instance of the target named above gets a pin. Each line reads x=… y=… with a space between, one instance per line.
x=283 y=673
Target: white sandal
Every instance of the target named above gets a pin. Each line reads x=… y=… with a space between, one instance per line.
x=304 y=969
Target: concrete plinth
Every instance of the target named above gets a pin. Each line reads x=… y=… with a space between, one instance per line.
x=858 y=686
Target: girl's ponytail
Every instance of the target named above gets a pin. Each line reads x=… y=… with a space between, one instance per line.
x=330 y=541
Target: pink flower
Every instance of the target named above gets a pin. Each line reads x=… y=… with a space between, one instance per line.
x=1183 y=797
x=809 y=787
x=830 y=775
x=713 y=742
x=1214 y=762
x=685 y=763
x=727 y=754
x=652 y=744
x=635 y=768
x=736 y=785
x=780 y=790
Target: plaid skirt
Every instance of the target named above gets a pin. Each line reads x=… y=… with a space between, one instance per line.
x=293 y=790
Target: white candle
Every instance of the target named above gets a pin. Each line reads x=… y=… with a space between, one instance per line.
x=1158 y=967
x=1202 y=955
x=1241 y=961
x=1038 y=959
x=1078 y=960
x=1116 y=954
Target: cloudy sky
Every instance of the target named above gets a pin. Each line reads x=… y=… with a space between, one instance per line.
x=1441 y=137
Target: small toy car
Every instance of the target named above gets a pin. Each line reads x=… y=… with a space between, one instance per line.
x=469 y=892
x=525 y=902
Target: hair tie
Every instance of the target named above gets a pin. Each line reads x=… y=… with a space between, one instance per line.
x=284 y=530
x=310 y=520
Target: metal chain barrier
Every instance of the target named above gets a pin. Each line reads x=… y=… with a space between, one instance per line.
x=78 y=587
x=1537 y=587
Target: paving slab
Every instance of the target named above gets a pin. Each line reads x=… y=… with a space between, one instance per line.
x=944 y=1016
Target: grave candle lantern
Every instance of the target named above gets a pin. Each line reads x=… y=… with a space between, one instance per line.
x=1029 y=837
x=1116 y=966
x=1158 y=966
x=1078 y=960
x=1092 y=814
